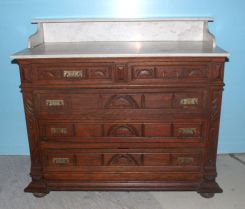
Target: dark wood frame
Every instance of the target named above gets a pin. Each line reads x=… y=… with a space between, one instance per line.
x=120 y=73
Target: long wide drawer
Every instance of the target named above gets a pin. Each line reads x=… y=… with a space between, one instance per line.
x=121 y=160
x=175 y=131
x=119 y=104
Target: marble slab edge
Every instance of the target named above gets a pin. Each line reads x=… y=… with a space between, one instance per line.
x=150 y=19
x=118 y=55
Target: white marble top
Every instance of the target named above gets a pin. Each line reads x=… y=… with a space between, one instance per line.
x=122 y=37
x=155 y=19
x=122 y=49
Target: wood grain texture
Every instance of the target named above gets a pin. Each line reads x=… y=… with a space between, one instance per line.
x=123 y=123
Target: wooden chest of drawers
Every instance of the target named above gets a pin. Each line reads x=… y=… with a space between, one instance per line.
x=123 y=123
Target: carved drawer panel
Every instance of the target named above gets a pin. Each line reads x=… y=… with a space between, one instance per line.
x=111 y=105
x=152 y=73
x=121 y=160
x=73 y=73
x=122 y=132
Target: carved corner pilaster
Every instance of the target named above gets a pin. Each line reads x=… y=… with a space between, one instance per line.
x=209 y=184
x=37 y=184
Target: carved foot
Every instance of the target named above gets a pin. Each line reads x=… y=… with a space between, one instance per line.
x=208 y=188
x=207 y=195
x=39 y=194
x=38 y=188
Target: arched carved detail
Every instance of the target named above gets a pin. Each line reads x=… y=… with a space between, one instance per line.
x=123 y=131
x=144 y=73
x=123 y=160
x=121 y=102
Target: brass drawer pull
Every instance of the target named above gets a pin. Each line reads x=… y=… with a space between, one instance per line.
x=189 y=131
x=54 y=102
x=61 y=161
x=58 y=131
x=185 y=160
x=189 y=101
x=73 y=74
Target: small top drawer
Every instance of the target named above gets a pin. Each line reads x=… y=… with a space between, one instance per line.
x=121 y=72
x=151 y=72
x=73 y=72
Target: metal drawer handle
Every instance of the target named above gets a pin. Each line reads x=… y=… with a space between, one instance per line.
x=185 y=160
x=73 y=74
x=189 y=101
x=190 y=131
x=58 y=131
x=55 y=102
x=61 y=161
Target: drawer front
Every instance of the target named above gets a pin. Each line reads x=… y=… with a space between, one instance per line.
x=65 y=73
x=121 y=105
x=121 y=72
x=123 y=132
x=152 y=73
x=121 y=160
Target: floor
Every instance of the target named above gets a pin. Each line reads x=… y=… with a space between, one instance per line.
x=14 y=177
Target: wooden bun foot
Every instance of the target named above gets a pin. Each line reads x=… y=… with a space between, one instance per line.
x=39 y=194
x=207 y=195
